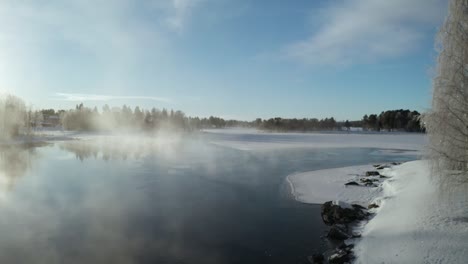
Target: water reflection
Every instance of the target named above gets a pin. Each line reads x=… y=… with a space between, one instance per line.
x=15 y=162
x=122 y=148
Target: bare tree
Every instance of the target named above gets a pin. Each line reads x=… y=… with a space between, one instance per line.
x=447 y=123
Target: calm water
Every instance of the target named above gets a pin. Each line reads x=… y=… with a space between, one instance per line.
x=138 y=201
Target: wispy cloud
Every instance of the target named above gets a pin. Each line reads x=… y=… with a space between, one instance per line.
x=99 y=97
x=181 y=12
x=46 y=41
x=357 y=31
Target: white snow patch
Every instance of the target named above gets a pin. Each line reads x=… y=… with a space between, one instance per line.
x=413 y=224
x=329 y=185
x=342 y=204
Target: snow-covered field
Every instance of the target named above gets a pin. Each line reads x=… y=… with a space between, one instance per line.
x=415 y=223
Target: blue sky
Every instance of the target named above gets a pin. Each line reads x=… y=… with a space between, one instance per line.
x=232 y=58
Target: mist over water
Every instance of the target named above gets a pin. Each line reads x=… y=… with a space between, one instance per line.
x=138 y=199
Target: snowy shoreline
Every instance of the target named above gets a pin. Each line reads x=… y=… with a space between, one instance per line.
x=411 y=223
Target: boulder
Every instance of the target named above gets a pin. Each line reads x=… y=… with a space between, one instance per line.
x=372 y=173
x=352 y=183
x=335 y=214
x=338 y=232
x=383 y=167
x=346 y=247
x=339 y=256
x=357 y=206
x=373 y=206
x=368 y=180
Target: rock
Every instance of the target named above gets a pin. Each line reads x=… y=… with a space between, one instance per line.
x=365 y=180
x=346 y=247
x=384 y=177
x=340 y=256
x=357 y=206
x=317 y=258
x=396 y=163
x=355 y=235
x=369 y=182
x=372 y=173
x=334 y=214
x=338 y=232
x=376 y=165
x=373 y=206
x=383 y=167
x=352 y=183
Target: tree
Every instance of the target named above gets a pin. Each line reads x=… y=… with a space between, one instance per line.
x=13 y=115
x=348 y=125
x=447 y=122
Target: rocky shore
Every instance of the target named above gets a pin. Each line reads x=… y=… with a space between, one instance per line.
x=344 y=218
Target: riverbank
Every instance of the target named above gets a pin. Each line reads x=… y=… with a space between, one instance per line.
x=412 y=220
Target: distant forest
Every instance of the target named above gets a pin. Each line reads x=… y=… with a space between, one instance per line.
x=83 y=118
x=16 y=119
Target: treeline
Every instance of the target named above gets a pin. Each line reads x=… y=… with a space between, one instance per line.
x=126 y=118
x=16 y=119
x=394 y=120
x=294 y=124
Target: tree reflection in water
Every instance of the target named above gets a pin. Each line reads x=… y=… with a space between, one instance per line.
x=15 y=162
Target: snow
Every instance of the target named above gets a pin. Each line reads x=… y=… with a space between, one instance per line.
x=253 y=140
x=329 y=185
x=415 y=222
x=342 y=204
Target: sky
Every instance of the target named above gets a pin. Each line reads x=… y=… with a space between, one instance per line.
x=238 y=59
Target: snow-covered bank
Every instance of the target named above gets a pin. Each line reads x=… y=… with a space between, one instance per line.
x=326 y=185
x=413 y=223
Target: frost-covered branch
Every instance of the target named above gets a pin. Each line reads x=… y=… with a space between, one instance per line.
x=447 y=123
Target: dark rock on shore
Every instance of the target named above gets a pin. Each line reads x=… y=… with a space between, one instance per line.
x=365 y=180
x=335 y=214
x=357 y=206
x=372 y=173
x=373 y=206
x=342 y=254
x=382 y=167
x=352 y=183
x=369 y=182
x=338 y=232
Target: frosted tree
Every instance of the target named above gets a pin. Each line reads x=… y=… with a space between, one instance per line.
x=12 y=116
x=447 y=123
